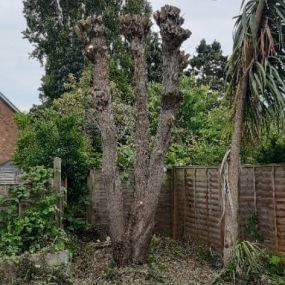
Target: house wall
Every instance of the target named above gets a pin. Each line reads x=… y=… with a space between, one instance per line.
x=8 y=132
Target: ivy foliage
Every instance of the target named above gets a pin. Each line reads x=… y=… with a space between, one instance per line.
x=28 y=218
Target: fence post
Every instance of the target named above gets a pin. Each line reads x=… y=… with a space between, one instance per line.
x=174 y=205
x=58 y=187
x=274 y=208
x=207 y=205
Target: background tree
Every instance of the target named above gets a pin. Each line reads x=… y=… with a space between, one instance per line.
x=201 y=133
x=51 y=133
x=256 y=90
x=208 y=65
x=50 y=30
x=131 y=238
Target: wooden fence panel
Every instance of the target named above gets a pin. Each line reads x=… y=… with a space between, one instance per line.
x=202 y=211
x=215 y=226
x=280 y=207
x=265 y=199
x=190 y=204
x=247 y=198
x=190 y=209
x=201 y=205
x=178 y=202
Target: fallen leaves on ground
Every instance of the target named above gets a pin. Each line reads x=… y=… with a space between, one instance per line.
x=170 y=263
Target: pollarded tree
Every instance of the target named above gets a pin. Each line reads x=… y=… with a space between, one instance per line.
x=256 y=89
x=131 y=237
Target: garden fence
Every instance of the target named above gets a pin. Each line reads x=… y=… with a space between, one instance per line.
x=190 y=204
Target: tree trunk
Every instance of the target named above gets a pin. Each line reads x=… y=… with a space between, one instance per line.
x=231 y=230
x=135 y=29
x=231 y=227
x=131 y=239
x=92 y=32
x=141 y=224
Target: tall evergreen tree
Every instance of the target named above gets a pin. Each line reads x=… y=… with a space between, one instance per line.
x=208 y=65
x=50 y=28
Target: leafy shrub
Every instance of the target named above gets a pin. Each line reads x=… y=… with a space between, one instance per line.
x=275 y=266
x=48 y=133
x=247 y=260
x=250 y=264
x=35 y=226
x=246 y=264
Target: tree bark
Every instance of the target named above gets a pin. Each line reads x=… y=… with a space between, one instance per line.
x=142 y=218
x=231 y=227
x=231 y=230
x=136 y=29
x=92 y=32
x=131 y=239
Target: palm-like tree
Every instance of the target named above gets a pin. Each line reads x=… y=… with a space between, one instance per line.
x=256 y=74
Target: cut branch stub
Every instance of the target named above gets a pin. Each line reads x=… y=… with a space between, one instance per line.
x=135 y=26
x=92 y=33
x=170 y=23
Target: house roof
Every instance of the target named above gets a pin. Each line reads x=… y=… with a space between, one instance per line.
x=9 y=103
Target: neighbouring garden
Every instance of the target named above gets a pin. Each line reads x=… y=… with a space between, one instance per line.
x=119 y=97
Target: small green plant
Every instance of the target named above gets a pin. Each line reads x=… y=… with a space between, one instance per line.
x=206 y=254
x=251 y=228
x=246 y=265
x=203 y=254
x=28 y=220
x=276 y=268
x=110 y=273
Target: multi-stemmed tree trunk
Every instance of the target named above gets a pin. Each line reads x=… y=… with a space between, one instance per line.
x=131 y=238
x=231 y=227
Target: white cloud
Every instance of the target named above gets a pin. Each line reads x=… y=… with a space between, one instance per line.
x=207 y=19
x=20 y=76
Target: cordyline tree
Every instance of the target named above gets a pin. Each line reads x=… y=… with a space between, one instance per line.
x=256 y=89
x=131 y=237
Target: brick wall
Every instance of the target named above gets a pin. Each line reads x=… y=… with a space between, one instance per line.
x=8 y=132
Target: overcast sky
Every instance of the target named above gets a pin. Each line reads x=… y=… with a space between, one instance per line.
x=20 y=76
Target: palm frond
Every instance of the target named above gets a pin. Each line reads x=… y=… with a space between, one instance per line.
x=266 y=69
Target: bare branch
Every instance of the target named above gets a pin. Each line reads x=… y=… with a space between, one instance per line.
x=174 y=61
x=135 y=29
x=135 y=26
x=92 y=33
